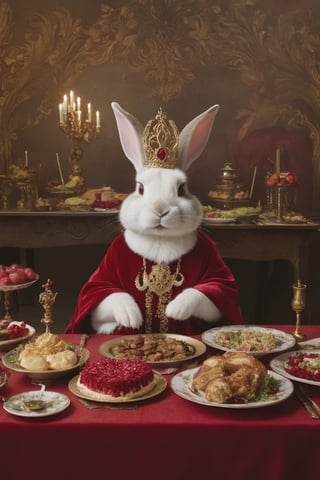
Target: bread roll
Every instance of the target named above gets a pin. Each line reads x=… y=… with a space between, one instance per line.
x=62 y=360
x=34 y=362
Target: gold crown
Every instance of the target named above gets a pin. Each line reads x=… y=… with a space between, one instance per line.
x=161 y=142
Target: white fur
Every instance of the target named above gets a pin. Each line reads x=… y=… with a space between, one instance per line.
x=116 y=309
x=192 y=303
x=160 y=223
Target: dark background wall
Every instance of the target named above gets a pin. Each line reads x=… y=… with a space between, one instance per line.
x=257 y=59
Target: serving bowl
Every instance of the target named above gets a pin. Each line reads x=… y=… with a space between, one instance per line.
x=46 y=377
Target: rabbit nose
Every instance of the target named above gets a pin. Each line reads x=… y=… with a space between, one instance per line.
x=160 y=210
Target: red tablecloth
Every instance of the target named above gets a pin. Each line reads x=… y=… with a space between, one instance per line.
x=166 y=437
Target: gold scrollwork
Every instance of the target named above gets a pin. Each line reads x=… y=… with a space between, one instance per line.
x=168 y=43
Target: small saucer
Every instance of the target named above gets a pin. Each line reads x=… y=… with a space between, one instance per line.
x=57 y=402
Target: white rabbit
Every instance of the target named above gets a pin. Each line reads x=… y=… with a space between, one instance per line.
x=161 y=220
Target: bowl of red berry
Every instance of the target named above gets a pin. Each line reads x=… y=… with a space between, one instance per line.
x=12 y=333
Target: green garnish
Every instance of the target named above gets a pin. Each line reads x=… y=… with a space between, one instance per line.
x=269 y=391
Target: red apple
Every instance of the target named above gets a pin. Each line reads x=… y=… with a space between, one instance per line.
x=290 y=178
x=15 y=266
x=17 y=276
x=5 y=281
x=273 y=179
x=3 y=273
x=30 y=274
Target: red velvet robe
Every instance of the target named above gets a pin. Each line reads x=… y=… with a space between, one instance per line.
x=203 y=269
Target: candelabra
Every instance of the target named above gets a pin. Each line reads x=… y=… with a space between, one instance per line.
x=79 y=127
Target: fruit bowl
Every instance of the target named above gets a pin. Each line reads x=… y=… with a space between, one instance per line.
x=19 y=286
x=6 y=345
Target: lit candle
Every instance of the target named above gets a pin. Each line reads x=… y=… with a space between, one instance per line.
x=78 y=103
x=97 y=120
x=59 y=168
x=79 y=116
x=60 y=113
x=26 y=159
x=278 y=166
x=65 y=105
x=72 y=105
x=89 y=113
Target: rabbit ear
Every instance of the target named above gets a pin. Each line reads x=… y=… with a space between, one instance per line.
x=130 y=132
x=194 y=137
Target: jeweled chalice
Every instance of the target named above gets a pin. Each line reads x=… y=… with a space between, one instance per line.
x=298 y=304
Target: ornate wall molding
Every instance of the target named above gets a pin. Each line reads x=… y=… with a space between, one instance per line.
x=168 y=43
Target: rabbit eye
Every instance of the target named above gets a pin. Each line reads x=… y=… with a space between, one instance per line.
x=140 y=188
x=182 y=190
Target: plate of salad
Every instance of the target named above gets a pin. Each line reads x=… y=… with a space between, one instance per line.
x=251 y=339
x=299 y=365
x=239 y=215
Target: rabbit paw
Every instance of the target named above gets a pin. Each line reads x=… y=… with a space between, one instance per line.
x=116 y=309
x=192 y=303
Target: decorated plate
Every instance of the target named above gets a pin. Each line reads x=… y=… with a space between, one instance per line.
x=10 y=360
x=160 y=386
x=57 y=402
x=197 y=349
x=312 y=344
x=278 y=364
x=6 y=345
x=251 y=339
x=181 y=385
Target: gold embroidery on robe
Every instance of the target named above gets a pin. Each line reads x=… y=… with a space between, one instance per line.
x=160 y=282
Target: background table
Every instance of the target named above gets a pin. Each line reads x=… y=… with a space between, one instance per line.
x=236 y=241
x=164 y=437
x=261 y=245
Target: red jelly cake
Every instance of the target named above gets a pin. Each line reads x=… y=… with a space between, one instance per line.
x=108 y=379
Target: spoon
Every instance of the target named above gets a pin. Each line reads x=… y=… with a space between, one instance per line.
x=36 y=404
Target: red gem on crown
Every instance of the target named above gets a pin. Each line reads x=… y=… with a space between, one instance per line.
x=161 y=153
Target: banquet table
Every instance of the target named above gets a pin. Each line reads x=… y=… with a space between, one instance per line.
x=164 y=437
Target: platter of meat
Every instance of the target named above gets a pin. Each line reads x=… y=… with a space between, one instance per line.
x=232 y=380
x=158 y=349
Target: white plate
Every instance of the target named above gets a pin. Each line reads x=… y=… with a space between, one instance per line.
x=211 y=220
x=278 y=365
x=181 y=385
x=58 y=403
x=6 y=345
x=312 y=344
x=284 y=341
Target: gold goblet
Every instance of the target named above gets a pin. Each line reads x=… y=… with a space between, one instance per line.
x=298 y=304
